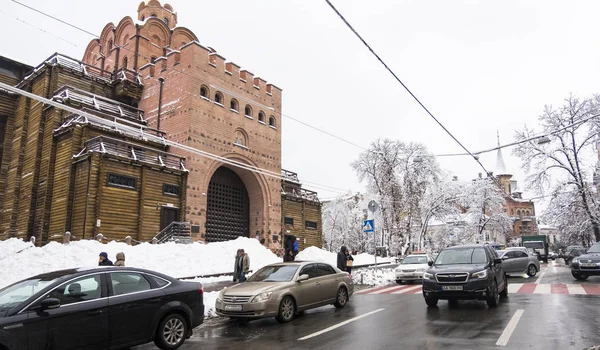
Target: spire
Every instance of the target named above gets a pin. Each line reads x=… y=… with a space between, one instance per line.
x=500 y=167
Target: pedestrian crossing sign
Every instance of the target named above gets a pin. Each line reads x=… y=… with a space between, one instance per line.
x=368 y=226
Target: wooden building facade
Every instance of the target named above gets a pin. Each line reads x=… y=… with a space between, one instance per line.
x=101 y=171
x=301 y=212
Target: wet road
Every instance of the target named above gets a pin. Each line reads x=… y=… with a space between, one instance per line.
x=384 y=321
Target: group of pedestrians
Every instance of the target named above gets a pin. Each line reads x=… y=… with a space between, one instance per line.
x=103 y=260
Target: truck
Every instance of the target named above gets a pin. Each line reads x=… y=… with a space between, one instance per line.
x=539 y=244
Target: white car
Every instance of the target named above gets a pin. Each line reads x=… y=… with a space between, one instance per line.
x=412 y=267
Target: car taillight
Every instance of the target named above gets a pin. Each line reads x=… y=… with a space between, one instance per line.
x=201 y=290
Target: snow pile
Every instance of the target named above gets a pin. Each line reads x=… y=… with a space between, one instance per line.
x=177 y=260
x=12 y=246
x=320 y=255
x=374 y=277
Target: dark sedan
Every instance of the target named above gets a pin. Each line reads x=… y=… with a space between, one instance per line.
x=99 y=308
x=587 y=264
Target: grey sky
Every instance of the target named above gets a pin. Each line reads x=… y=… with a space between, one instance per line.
x=479 y=66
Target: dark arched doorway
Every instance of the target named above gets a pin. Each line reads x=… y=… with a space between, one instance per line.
x=227 y=211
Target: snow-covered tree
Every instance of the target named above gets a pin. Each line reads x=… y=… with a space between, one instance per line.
x=563 y=163
x=398 y=174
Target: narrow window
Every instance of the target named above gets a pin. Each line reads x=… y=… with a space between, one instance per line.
x=219 y=98
x=233 y=104
x=248 y=111
x=125 y=62
x=204 y=91
x=261 y=116
x=272 y=121
x=166 y=21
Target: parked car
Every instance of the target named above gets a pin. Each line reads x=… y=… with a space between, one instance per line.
x=552 y=255
x=284 y=289
x=516 y=262
x=465 y=272
x=412 y=267
x=522 y=249
x=588 y=264
x=99 y=308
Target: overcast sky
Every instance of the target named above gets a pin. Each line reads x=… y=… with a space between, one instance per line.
x=479 y=66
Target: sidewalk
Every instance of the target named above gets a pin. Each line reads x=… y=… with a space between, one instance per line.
x=217 y=286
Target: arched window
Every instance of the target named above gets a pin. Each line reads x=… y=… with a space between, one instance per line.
x=143 y=18
x=110 y=46
x=125 y=62
x=261 y=116
x=248 y=111
x=518 y=212
x=272 y=121
x=240 y=138
x=166 y=20
x=219 y=98
x=153 y=15
x=527 y=213
x=233 y=104
x=204 y=91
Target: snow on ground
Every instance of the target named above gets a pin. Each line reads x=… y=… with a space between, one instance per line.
x=374 y=277
x=318 y=254
x=177 y=260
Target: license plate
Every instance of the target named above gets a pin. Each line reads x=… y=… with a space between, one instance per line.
x=452 y=288
x=588 y=264
x=233 y=307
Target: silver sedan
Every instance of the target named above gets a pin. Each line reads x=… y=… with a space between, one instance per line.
x=516 y=262
x=284 y=289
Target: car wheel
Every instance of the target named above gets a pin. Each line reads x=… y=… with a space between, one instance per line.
x=531 y=270
x=399 y=281
x=504 y=292
x=493 y=298
x=342 y=298
x=171 y=332
x=287 y=310
x=579 y=277
x=452 y=302
x=431 y=302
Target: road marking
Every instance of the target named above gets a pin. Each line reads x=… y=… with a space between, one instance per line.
x=526 y=288
x=575 y=289
x=543 y=289
x=514 y=287
x=559 y=289
x=407 y=290
x=339 y=325
x=510 y=328
x=541 y=276
x=385 y=290
x=370 y=290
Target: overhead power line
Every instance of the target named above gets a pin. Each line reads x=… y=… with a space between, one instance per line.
x=185 y=73
x=404 y=85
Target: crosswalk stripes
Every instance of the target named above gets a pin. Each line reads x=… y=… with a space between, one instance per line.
x=513 y=288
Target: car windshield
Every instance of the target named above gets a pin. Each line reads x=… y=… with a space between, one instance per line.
x=595 y=248
x=415 y=260
x=461 y=256
x=277 y=273
x=15 y=294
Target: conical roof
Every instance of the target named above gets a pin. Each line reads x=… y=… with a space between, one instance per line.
x=500 y=166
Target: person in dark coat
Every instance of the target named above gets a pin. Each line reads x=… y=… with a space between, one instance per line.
x=241 y=266
x=289 y=257
x=349 y=262
x=103 y=260
x=341 y=259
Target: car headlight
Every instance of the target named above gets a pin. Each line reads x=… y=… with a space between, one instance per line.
x=422 y=269
x=220 y=296
x=427 y=276
x=480 y=274
x=262 y=297
x=398 y=269
x=575 y=260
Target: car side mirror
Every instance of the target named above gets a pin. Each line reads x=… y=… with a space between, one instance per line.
x=504 y=257
x=303 y=277
x=497 y=261
x=50 y=303
x=430 y=263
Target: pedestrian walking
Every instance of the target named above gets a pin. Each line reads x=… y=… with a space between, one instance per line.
x=241 y=267
x=349 y=262
x=120 y=259
x=103 y=260
x=341 y=259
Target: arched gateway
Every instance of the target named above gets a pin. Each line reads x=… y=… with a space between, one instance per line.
x=227 y=212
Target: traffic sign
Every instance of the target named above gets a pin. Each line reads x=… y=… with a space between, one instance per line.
x=373 y=206
x=368 y=226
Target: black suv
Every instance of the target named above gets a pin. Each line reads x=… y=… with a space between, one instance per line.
x=465 y=272
x=587 y=264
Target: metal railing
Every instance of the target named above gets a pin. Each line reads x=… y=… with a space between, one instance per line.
x=175 y=228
